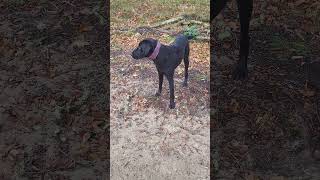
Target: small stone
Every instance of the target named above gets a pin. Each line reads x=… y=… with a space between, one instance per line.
x=137 y=35
x=63 y=139
x=41 y=26
x=57 y=131
x=36 y=127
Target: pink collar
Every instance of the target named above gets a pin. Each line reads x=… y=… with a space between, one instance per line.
x=155 y=51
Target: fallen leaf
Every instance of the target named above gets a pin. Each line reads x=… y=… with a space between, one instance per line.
x=86 y=137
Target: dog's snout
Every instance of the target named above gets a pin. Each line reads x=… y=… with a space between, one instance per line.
x=133 y=55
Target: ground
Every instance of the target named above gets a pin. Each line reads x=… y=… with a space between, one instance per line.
x=54 y=98
x=149 y=140
x=53 y=91
x=267 y=127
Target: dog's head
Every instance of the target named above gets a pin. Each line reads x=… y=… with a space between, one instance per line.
x=144 y=49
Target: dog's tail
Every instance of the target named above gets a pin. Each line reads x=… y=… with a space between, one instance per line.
x=189 y=36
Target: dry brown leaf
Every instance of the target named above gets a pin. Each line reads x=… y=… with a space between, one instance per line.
x=86 y=137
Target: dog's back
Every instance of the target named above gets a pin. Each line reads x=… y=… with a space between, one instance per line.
x=181 y=41
x=181 y=45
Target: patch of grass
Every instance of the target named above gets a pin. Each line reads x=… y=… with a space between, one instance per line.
x=135 y=12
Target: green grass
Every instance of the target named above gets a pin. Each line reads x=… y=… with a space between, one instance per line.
x=146 y=12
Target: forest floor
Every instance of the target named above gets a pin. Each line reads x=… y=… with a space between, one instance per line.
x=53 y=91
x=267 y=127
x=149 y=140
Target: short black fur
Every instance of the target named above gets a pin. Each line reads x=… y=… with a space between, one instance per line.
x=168 y=59
x=245 y=12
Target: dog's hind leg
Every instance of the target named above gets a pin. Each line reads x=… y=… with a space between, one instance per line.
x=172 y=104
x=186 y=66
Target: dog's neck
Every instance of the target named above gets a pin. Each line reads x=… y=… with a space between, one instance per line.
x=155 y=52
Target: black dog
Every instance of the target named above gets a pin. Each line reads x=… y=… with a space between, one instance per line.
x=245 y=11
x=167 y=59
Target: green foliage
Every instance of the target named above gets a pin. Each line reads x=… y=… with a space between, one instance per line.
x=192 y=31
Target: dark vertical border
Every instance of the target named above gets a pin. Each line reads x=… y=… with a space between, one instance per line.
x=107 y=45
x=211 y=92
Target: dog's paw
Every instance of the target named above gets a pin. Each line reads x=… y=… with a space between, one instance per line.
x=172 y=105
x=240 y=72
x=185 y=84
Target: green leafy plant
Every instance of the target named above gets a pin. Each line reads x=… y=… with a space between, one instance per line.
x=192 y=31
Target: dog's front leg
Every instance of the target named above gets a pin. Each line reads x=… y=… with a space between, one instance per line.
x=245 y=11
x=172 y=104
x=158 y=93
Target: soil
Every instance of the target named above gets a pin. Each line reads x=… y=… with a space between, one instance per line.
x=266 y=127
x=53 y=90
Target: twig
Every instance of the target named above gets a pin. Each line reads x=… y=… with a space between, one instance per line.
x=231 y=91
x=197 y=22
x=202 y=38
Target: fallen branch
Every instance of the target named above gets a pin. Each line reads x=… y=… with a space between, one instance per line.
x=142 y=30
x=202 y=38
x=169 y=21
x=196 y=22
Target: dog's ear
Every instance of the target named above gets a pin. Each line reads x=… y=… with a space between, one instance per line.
x=148 y=45
x=147 y=40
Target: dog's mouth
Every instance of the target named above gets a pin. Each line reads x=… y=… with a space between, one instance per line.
x=134 y=56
